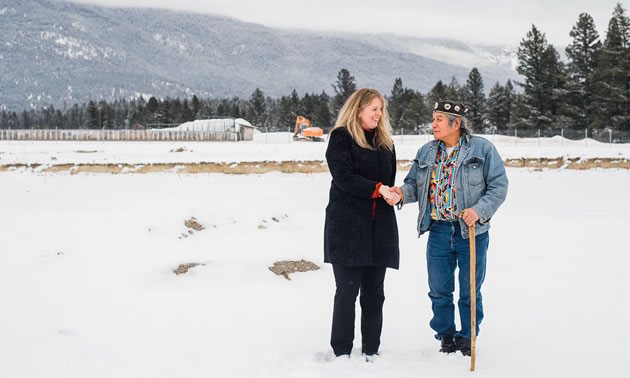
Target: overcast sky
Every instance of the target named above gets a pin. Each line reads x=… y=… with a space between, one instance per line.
x=482 y=21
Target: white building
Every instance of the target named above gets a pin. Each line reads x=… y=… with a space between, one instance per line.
x=239 y=128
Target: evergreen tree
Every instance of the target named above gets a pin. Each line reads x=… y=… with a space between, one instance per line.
x=396 y=104
x=163 y=114
x=25 y=120
x=496 y=100
x=4 y=120
x=223 y=108
x=475 y=99
x=187 y=114
x=14 y=123
x=235 y=108
x=271 y=111
x=196 y=107
x=106 y=116
x=561 y=112
x=286 y=114
x=307 y=106
x=322 y=117
x=416 y=113
x=612 y=74
x=152 y=105
x=176 y=110
x=544 y=76
x=509 y=101
x=582 y=53
x=623 y=23
x=76 y=117
x=207 y=109
x=520 y=113
x=344 y=87
x=91 y=116
x=499 y=105
x=454 y=91
x=288 y=110
x=437 y=93
x=256 y=109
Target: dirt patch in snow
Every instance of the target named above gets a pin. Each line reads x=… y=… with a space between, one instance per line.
x=283 y=268
x=183 y=268
x=193 y=225
x=571 y=163
x=304 y=167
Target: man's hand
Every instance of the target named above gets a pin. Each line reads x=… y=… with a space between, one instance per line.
x=398 y=191
x=469 y=216
x=390 y=196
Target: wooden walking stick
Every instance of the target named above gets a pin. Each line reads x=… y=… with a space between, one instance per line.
x=473 y=297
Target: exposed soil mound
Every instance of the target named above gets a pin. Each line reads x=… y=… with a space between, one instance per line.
x=192 y=223
x=305 y=167
x=283 y=268
x=183 y=268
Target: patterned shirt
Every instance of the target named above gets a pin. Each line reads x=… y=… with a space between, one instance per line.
x=442 y=191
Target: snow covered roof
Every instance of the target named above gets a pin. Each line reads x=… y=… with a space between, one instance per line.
x=216 y=124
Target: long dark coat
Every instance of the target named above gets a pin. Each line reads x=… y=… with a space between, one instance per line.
x=359 y=230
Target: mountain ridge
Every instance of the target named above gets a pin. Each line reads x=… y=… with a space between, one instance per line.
x=60 y=53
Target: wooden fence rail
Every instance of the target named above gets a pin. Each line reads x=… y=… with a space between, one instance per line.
x=117 y=135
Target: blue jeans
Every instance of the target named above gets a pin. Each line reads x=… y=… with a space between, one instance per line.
x=446 y=250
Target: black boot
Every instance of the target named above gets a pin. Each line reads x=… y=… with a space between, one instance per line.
x=448 y=346
x=462 y=344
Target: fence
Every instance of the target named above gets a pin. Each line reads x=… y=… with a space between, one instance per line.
x=117 y=135
x=599 y=135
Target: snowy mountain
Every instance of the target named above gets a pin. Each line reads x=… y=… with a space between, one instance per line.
x=55 y=52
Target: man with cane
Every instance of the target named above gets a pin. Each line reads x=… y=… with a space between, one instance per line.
x=458 y=181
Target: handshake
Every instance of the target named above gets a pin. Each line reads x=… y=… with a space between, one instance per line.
x=392 y=195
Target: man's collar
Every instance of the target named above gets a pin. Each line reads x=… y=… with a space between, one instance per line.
x=441 y=144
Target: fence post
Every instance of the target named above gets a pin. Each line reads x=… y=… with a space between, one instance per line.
x=586 y=137
x=561 y=137
x=515 y=136
x=538 y=137
x=402 y=135
x=610 y=137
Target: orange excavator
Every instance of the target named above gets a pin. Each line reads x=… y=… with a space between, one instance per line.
x=304 y=131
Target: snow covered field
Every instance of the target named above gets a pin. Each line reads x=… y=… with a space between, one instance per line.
x=88 y=289
x=271 y=147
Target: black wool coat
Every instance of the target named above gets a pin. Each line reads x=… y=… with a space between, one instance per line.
x=359 y=230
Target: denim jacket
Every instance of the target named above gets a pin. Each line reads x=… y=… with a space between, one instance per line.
x=480 y=182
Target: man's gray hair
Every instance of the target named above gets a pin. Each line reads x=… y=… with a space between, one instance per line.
x=465 y=127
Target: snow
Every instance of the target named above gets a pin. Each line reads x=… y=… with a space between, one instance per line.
x=216 y=124
x=88 y=288
x=274 y=147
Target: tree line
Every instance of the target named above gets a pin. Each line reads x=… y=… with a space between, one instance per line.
x=590 y=90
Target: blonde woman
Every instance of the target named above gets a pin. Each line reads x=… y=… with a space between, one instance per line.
x=360 y=233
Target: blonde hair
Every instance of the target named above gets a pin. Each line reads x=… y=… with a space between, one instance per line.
x=349 y=118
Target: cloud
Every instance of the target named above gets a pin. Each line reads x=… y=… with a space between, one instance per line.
x=492 y=22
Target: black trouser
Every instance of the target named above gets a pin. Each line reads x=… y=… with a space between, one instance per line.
x=369 y=279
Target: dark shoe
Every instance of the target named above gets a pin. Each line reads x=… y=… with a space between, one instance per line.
x=463 y=345
x=448 y=346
